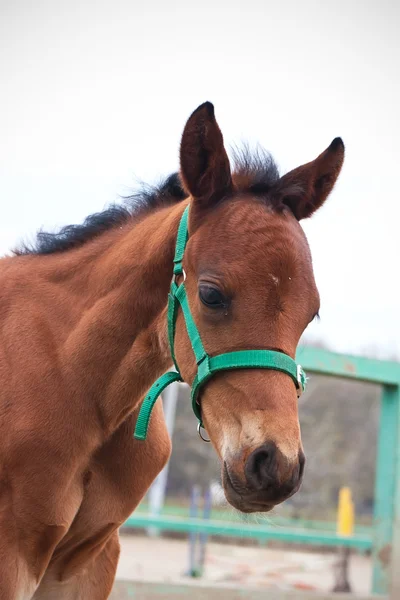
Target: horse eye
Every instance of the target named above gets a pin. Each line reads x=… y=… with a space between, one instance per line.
x=211 y=296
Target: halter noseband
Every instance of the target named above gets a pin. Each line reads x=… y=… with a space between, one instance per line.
x=207 y=365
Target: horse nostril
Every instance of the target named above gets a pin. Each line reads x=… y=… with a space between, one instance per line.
x=261 y=466
x=302 y=462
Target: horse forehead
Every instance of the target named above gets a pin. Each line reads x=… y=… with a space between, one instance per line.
x=259 y=235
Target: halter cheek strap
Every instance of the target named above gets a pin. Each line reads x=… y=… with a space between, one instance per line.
x=207 y=365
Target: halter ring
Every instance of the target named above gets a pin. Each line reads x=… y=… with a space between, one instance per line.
x=199 y=428
x=176 y=275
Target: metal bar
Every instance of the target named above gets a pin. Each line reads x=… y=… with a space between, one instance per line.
x=395 y=559
x=353 y=367
x=175 y=510
x=385 y=489
x=243 y=530
x=193 y=536
x=146 y=590
x=204 y=536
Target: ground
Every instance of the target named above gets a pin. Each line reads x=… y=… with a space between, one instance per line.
x=165 y=560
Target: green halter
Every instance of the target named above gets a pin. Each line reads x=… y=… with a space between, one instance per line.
x=207 y=365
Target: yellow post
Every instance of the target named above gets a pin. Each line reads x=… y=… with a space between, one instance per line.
x=345 y=514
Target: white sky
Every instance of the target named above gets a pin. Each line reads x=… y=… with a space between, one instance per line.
x=94 y=94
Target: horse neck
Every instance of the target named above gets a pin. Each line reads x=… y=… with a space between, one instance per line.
x=118 y=345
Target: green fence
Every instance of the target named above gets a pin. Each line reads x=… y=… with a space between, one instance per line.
x=173 y=509
x=384 y=538
x=146 y=590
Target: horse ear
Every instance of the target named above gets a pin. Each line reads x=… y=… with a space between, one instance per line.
x=205 y=169
x=305 y=189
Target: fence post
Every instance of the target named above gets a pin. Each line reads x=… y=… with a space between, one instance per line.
x=395 y=572
x=345 y=526
x=385 y=488
x=204 y=536
x=193 y=536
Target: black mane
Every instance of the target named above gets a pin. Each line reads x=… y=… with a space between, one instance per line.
x=255 y=173
x=73 y=236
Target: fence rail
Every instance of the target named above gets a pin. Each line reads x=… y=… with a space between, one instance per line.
x=127 y=590
x=172 y=509
x=244 y=530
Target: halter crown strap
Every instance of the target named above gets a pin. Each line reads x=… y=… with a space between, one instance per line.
x=181 y=241
x=207 y=365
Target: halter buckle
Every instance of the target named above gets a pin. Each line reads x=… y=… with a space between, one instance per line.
x=301 y=380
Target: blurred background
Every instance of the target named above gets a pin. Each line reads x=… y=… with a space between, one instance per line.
x=93 y=100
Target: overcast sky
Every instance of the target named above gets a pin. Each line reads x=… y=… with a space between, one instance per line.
x=95 y=94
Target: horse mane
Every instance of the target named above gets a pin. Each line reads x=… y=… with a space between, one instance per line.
x=254 y=172
x=146 y=199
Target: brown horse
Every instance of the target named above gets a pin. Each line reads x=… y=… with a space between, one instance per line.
x=83 y=336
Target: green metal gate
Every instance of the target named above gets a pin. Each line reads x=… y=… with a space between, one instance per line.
x=385 y=542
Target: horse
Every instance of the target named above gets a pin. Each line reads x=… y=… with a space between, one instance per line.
x=84 y=335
